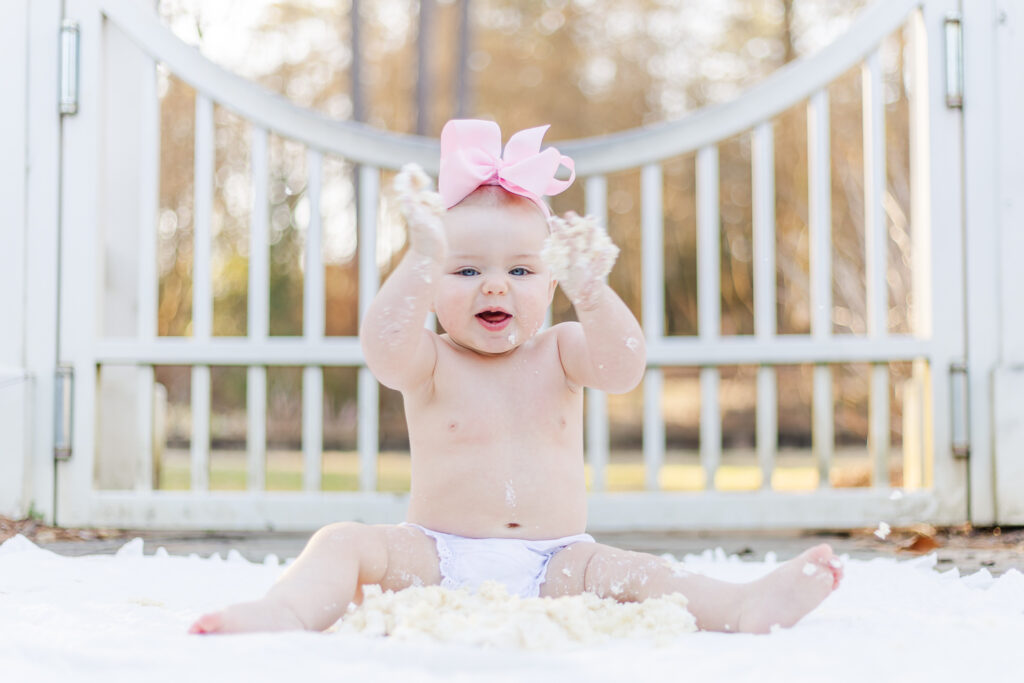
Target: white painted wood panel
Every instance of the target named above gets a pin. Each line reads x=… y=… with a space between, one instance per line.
x=596 y=405
x=367 y=437
x=653 y=317
x=763 y=183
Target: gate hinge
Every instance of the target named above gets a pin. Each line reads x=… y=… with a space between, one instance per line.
x=959 y=413
x=63 y=411
x=954 y=62
x=69 y=34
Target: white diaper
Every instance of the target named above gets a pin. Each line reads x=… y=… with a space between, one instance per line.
x=517 y=564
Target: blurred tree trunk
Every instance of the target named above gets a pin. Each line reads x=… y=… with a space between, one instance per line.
x=423 y=67
x=358 y=113
x=463 y=105
x=787 y=32
x=355 y=88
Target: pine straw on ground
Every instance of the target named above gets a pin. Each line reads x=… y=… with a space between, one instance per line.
x=37 y=532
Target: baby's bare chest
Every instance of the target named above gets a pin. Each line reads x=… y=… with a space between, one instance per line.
x=524 y=399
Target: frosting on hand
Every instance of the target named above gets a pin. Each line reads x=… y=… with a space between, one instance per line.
x=422 y=209
x=580 y=255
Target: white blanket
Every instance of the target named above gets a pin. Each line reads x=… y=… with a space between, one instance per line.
x=124 y=618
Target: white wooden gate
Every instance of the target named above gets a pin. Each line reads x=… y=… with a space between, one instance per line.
x=110 y=172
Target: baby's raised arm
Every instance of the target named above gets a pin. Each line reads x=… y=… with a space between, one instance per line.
x=606 y=349
x=398 y=349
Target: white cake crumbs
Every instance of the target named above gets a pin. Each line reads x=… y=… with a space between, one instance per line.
x=835 y=563
x=493 y=618
x=412 y=185
x=810 y=569
x=632 y=344
x=510 y=495
x=579 y=253
x=883 y=530
x=566 y=571
x=422 y=209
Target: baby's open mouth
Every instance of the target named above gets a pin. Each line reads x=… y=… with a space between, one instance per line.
x=494 y=319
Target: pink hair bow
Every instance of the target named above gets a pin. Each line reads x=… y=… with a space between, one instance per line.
x=471 y=156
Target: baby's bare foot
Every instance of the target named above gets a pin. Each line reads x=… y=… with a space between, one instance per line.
x=246 y=617
x=783 y=597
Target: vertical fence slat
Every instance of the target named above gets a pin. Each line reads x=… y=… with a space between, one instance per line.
x=200 y=450
x=767 y=422
x=202 y=297
x=202 y=294
x=369 y=278
x=875 y=238
x=917 y=441
x=708 y=307
x=258 y=311
x=256 y=427
x=149 y=205
x=312 y=427
x=708 y=266
x=653 y=316
x=653 y=252
x=259 y=240
x=654 y=428
x=763 y=170
x=823 y=424
x=874 y=192
x=878 y=425
x=819 y=186
x=313 y=330
x=313 y=284
x=596 y=201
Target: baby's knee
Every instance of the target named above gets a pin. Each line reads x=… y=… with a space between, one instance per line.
x=342 y=534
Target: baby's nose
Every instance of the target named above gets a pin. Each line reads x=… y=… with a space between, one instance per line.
x=495 y=285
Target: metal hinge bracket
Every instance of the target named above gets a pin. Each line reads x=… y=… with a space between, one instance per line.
x=954 y=62
x=69 y=35
x=959 y=411
x=63 y=411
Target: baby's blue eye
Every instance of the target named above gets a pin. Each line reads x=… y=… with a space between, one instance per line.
x=469 y=272
x=519 y=271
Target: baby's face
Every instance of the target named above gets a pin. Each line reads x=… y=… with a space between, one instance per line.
x=494 y=290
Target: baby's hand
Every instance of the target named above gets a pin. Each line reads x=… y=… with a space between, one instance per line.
x=422 y=210
x=580 y=255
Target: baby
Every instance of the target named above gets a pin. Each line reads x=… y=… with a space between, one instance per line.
x=495 y=411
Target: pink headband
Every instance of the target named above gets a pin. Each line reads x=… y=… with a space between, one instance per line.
x=471 y=156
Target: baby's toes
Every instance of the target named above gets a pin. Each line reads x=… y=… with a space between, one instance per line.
x=208 y=623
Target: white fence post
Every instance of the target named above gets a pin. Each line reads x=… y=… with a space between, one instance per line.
x=125 y=73
x=14 y=404
x=29 y=135
x=994 y=168
x=981 y=180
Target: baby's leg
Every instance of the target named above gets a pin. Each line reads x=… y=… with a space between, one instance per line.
x=315 y=591
x=782 y=597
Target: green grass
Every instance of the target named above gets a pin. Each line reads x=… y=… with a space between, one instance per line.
x=340 y=472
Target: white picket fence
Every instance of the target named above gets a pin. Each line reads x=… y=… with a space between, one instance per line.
x=123 y=41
